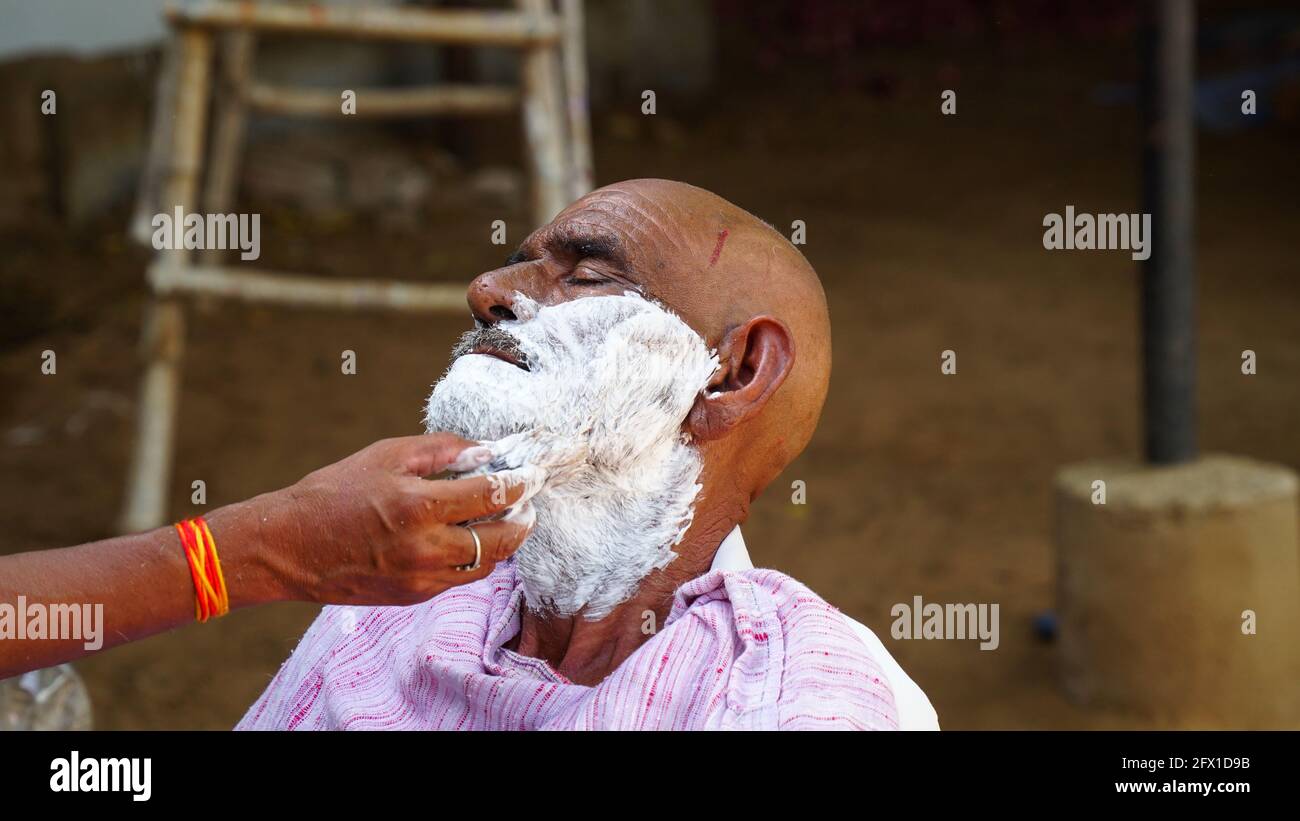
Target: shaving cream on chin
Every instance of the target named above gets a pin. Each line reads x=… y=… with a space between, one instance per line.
x=594 y=426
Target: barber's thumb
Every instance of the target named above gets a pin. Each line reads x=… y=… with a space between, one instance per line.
x=431 y=453
x=470 y=458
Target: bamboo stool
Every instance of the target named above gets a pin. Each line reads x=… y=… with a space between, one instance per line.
x=552 y=97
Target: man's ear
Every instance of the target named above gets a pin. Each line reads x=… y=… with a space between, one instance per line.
x=753 y=360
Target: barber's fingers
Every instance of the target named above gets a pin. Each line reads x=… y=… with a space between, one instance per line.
x=498 y=541
x=452 y=501
x=435 y=452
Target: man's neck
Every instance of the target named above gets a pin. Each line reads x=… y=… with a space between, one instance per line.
x=587 y=652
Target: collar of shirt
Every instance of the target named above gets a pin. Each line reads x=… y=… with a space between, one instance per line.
x=732 y=553
x=914 y=709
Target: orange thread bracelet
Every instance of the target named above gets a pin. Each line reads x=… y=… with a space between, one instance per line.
x=210 y=595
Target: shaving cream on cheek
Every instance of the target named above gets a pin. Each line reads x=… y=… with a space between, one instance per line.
x=599 y=414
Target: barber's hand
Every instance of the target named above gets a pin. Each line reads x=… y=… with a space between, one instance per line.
x=371 y=530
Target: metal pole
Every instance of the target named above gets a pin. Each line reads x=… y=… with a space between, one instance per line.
x=1168 y=51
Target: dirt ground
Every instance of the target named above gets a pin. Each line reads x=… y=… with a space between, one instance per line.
x=926 y=231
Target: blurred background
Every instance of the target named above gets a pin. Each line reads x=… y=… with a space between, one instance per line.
x=925 y=229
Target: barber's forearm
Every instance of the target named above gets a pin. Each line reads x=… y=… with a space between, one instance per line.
x=142 y=581
x=368 y=529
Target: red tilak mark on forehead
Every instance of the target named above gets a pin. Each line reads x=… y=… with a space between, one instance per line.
x=717 y=249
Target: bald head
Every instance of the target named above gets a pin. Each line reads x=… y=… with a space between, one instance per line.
x=735 y=280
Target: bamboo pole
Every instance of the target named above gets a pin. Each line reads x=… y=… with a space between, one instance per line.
x=396 y=102
x=543 y=116
x=164 y=327
x=575 y=86
x=451 y=26
x=152 y=178
x=1169 y=195
x=229 y=115
x=305 y=291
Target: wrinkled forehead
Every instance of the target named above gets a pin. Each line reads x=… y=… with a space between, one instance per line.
x=653 y=237
x=647 y=220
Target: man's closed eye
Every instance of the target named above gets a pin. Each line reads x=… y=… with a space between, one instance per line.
x=581 y=280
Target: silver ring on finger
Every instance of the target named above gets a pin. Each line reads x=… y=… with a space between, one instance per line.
x=478 y=553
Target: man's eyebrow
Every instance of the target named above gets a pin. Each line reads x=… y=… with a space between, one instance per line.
x=585 y=245
x=580 y=244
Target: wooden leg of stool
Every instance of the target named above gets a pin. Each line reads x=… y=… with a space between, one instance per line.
x=163 y=342
x=164 y=327
x=229 y=114
x=544 y=125
x=575 y=94
x=149 y=194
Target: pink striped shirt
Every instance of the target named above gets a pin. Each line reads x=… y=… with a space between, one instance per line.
x=750 y=649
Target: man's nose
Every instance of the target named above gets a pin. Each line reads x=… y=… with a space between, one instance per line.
x=491 y=296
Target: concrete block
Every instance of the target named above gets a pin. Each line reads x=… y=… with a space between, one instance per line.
x=1155 y=586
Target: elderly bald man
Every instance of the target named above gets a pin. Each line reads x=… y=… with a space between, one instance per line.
x=640 y=369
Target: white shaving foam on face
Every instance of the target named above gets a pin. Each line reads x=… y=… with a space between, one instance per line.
x=594 y=429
